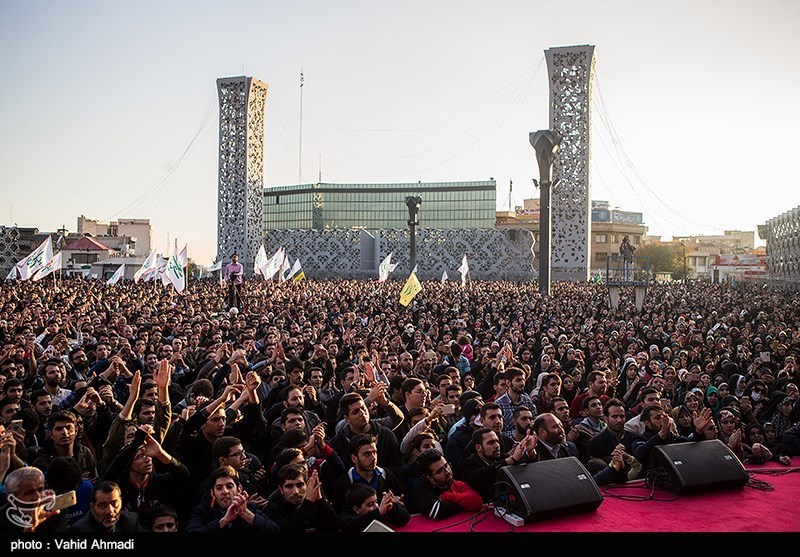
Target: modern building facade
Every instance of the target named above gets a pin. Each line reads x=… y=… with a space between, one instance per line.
x=325 y=206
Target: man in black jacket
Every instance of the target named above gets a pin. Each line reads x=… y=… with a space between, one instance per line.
x=365 y=471
x=481 y=467
x=299 y=504
x=658 y=432
x=106 y=514
x=438 y=495
x=357 y=420
x=141 y=486
x=229 y=509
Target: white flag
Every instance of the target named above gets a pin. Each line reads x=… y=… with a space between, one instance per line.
x=161 y=272
x=174 y=273
x=296 y=268
x=37 y=259
x=215 y=267
x=261 y=260
x=464 y=269
x=50 y=267
x=183 y=256
x=274 y=263
x=444 y=276
x=414 y=270
x=118 y=274
x=150 y=264
x=285 y=268
x=385 y=268
x=12 y=274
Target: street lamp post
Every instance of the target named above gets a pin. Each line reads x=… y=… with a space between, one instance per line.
x=545 y=143
x=413 y=203
x=683 y=245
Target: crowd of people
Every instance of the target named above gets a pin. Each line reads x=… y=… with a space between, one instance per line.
x=326 y=404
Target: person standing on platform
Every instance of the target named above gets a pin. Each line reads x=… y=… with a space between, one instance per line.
x=234 y=274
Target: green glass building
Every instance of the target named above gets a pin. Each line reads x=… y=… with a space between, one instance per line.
x=374 y=206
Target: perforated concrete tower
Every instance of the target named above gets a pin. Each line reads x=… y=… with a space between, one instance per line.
x=241 y=168
x=570 y=73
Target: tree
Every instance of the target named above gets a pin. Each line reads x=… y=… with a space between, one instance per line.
x=192 y=268
x=664 y=258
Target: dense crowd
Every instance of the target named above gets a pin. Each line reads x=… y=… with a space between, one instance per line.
x=326 y=404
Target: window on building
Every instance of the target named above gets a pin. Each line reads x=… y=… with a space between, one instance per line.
x=601 y=238
x=600 y=256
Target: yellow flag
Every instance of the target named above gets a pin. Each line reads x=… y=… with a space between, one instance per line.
x=410 y=289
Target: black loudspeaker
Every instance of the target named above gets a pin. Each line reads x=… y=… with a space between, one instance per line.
x=701 y=466
x=549 y=488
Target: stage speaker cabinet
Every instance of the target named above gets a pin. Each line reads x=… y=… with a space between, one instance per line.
x=697 y=466
x=549 y=488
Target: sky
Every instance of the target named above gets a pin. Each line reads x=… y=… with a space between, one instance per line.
x=109 y=108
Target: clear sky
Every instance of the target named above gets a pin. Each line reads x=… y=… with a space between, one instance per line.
x=109 y=108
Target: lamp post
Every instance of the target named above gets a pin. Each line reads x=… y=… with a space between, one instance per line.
x=683 y=245
x=545 y=143
x=413 y=203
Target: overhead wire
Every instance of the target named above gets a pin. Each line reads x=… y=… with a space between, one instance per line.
x=161 y=184
x=682 y=213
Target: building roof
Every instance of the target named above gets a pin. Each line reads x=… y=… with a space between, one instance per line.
x=85 y=243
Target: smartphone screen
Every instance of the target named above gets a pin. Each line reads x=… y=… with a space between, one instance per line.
x=65 y=500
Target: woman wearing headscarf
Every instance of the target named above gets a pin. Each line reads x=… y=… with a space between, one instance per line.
x=711 y=399
x=629 y=383
x=737 y=383
x=781 y=417
x=770 y=406
x=568 y=388
x=682 y=417
x=729 y=431
x=755 y=447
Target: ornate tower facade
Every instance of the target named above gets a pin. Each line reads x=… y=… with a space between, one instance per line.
x=241 y=168
x=570 y=73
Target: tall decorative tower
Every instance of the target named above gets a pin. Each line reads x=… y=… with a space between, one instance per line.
x=241 y=168
x=570 y=70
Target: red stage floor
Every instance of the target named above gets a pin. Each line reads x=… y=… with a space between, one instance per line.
x=733 y=510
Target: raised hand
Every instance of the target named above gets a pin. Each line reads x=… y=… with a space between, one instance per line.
x=163 y=374
x=313 y=488
x=187 y=412
x=252 y=381
x=386 y=503
x=702 y=420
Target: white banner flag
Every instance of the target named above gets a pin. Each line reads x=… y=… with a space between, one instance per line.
x=215 y=267
x=174 y=273
x=385 y=268
x=285 y=268
x=464 y=269
x=261 y=260
x=12 y=274
x=37 y=259
x=50 y=267
x=444 y=276
x=274 y=264
x=150 y=264
x=118 y=274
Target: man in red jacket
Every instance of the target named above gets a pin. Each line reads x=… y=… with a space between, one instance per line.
x=441 y=496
